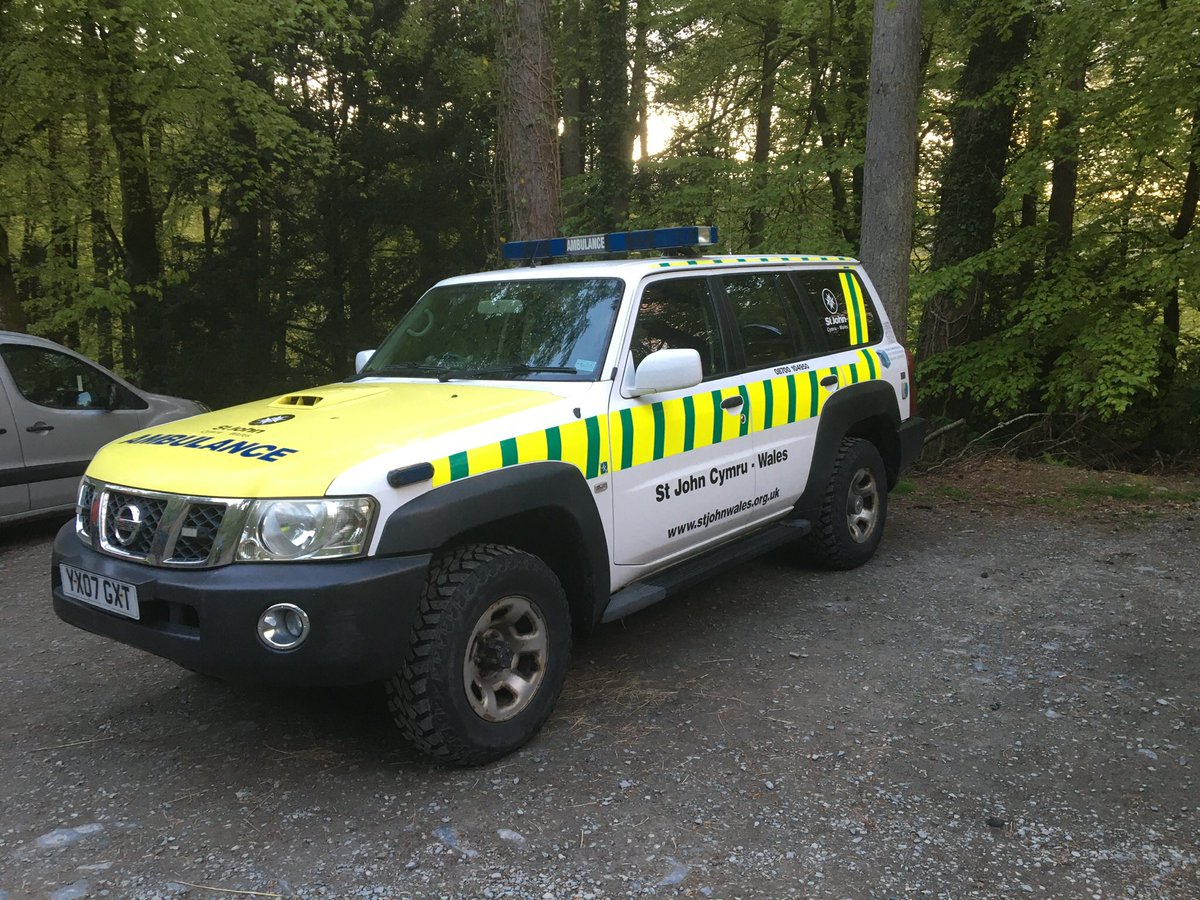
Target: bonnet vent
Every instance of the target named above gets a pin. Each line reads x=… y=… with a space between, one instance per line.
x=299 y=400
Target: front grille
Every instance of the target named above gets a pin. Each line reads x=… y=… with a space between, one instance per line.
x=199 y=530
x=166 y=529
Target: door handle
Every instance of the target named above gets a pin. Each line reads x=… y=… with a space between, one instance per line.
x=3 y=431
x=38 y=427
x=829 y=382
x=731 y=403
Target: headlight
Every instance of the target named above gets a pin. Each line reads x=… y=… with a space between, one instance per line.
x=320 y=528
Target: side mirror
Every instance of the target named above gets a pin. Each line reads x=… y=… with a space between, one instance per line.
x=667 y=370
x=361 y=358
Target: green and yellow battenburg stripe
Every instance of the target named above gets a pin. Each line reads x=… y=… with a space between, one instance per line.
x=856 y=308
x=734 y=260
x=634 y=436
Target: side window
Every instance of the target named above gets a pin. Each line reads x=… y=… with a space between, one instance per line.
x=763 y=306
x=53 y=379
x=842 y=308
x=679 y=313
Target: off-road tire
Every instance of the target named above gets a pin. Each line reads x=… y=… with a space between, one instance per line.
x=832 y=544
x=427 y=696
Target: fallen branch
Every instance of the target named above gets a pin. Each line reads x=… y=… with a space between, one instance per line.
x=74 y=744
x=940 y=431
x=221 y=890
x=986 y=434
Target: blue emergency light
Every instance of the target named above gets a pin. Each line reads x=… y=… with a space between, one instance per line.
x=680 y=238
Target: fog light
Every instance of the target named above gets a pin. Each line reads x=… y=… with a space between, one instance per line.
x=283 y=626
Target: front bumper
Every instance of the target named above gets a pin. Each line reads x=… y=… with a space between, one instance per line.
x=206 y=619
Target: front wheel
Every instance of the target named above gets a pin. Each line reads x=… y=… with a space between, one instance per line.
x=488 y=655
x=854 y=508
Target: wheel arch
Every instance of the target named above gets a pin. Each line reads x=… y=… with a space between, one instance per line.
x=869 y=411
x=545 y=509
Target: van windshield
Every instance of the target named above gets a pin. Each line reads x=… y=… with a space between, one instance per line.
x=545 y=329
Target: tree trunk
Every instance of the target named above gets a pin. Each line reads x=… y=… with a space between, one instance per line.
x=1064 y=172
x=981 y=125
x=762 y=131
x=245 y=251
x=528 y=120
x=12 y=315
x=139 y=215
x=637 y=85
x=829 y=142
x=1183 y=225
x=890 y=169
x=612 y=121
x=856 y=75
x=102 y=256
x=572 y=94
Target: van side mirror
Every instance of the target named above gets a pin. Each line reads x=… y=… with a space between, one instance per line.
x=667 y=370
x=361 y=358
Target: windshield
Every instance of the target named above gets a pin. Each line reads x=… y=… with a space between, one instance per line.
x=549 y=329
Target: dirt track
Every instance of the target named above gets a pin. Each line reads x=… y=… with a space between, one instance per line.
x=1017 y=653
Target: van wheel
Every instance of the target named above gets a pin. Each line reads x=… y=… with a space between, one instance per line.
x=854 y=508
x=489 y=651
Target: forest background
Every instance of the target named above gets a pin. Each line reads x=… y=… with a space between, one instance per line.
x=227 y=198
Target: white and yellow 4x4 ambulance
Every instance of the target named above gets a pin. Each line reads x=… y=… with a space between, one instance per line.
x=529 y=453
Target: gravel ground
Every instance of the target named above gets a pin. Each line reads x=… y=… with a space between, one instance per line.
x=1004 y=702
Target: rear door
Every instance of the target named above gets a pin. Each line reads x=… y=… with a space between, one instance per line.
x=14 y=494
x=780 y=347
x=65 y=410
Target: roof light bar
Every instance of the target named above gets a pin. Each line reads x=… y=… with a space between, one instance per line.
x=614 y=242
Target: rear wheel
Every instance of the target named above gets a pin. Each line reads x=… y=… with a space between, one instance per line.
x=854 y=509
x=488 y=655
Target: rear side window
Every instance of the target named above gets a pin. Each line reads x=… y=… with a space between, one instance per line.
x=765 y=310
x=679 y=313
x=843 y=311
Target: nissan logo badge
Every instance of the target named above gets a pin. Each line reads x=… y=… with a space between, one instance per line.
x=127 y=524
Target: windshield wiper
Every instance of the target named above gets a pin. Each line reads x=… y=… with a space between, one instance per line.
x=517 y=369
x=397 y=369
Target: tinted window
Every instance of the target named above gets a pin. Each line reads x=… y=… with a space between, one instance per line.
x=679 y=313
x=53 y=379
x=838 y=300
x=765 y=309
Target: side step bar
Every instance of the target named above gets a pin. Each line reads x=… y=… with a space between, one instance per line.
x=641 y=594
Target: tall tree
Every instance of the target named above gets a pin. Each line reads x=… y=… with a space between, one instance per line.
x=981 y=126
x=528 y=118
x=613 y=117
x=771 y=55
x=12 y=314
x=890 y=169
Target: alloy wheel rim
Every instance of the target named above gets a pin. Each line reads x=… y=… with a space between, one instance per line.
x=505 y=660
x=862 y=505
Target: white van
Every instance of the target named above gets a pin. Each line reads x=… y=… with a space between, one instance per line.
x=57 y=408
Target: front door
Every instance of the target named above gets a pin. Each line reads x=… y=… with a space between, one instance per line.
x=683 y=467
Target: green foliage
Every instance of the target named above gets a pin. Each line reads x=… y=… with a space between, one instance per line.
x=314 y=165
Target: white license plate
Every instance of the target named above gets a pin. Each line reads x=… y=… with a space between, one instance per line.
x=106 y=593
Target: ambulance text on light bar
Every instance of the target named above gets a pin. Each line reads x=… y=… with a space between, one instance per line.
x=613 y=242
